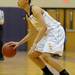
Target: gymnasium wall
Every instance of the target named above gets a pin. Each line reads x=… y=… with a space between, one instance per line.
x=8 y=3
x=54 y=3
x=41 y=3
x=14 y=27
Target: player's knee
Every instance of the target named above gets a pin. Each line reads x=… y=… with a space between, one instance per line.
x=45 y=56
x=33 y=54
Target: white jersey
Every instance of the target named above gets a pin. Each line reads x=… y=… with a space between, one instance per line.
x=53 y=40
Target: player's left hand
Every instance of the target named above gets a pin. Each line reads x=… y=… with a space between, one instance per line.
x=14 y=44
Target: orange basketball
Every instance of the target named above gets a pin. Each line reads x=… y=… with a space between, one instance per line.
x=8 y=51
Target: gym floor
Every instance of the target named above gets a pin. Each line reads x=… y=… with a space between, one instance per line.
x=21 y=65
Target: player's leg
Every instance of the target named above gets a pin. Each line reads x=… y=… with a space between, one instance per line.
x=34 y=56
x=1 y=42
x=55 y=64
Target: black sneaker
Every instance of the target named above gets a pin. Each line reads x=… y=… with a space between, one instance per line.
x=64 y=72
x=47 y=73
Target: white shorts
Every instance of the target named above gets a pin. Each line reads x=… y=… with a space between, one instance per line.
x=52 y=43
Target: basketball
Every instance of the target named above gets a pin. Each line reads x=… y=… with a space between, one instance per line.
x=8 y=50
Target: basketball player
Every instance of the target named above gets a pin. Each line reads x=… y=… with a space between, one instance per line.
x=49 y=40
x=1 y=33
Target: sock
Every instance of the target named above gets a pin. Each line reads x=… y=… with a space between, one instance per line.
x=47 y=71
x=64 y=72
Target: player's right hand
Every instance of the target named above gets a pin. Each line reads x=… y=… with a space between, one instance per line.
x=14 y=44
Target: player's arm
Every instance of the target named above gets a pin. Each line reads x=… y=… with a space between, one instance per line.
x=37 y=12
x=28 y=36
x=25 y=38
x=22 y=41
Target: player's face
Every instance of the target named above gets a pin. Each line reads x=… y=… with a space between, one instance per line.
x=22 y=3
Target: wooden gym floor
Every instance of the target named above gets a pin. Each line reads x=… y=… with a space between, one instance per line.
x=21 y=65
